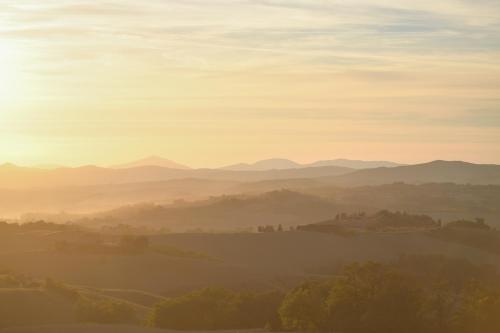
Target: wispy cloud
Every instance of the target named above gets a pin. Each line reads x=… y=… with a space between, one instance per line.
x=273 y=66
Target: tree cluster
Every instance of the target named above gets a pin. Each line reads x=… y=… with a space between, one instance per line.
x=218 y=309
x=270 y=228
x=104 y=311
x=378 y=298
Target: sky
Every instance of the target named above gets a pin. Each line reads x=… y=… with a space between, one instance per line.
x=209 y=83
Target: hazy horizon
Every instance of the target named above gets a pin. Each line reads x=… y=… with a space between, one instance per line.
x=228 y=164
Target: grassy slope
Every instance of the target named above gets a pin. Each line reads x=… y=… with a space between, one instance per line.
x=240 y=260
x=41 y=307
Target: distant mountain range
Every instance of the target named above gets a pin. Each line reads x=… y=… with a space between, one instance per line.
x=88 y=189
x=12 y=176
x=263 y=165
x=280 y=164
x=15 y=177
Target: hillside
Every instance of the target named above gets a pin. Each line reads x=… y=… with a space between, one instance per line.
x=31 y=306
x=433 y=172
x=222 y=213
x=306 y=204
x=439 y=200
x=234 y=260
x=109 y=279
x=14 y=177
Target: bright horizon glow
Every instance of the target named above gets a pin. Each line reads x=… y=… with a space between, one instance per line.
x=86 y=82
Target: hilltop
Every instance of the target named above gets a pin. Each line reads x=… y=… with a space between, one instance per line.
x=433 y=172
x=152 y=161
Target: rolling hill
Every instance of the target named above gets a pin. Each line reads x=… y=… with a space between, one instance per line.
x=303 y=205
x=247 y=204
x=221 y=213
x=90 y=189
x=233 y=260
x=433 y=172
x=15 y=177
x=31 y=306
x=238 y=261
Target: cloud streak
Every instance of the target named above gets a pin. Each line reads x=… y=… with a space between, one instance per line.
x=380 y=67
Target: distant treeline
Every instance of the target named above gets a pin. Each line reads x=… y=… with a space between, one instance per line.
x=383 y=220
x=125 y=245
x=36 y=225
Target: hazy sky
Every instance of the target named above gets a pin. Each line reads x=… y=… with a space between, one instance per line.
x=213 y=82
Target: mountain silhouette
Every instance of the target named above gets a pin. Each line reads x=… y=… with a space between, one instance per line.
x=152 y=161
x=281 y=164
x=458 y=172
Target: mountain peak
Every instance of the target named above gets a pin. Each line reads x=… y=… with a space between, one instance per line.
x=152 y=160
x=446 y=163
x=451 y=162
